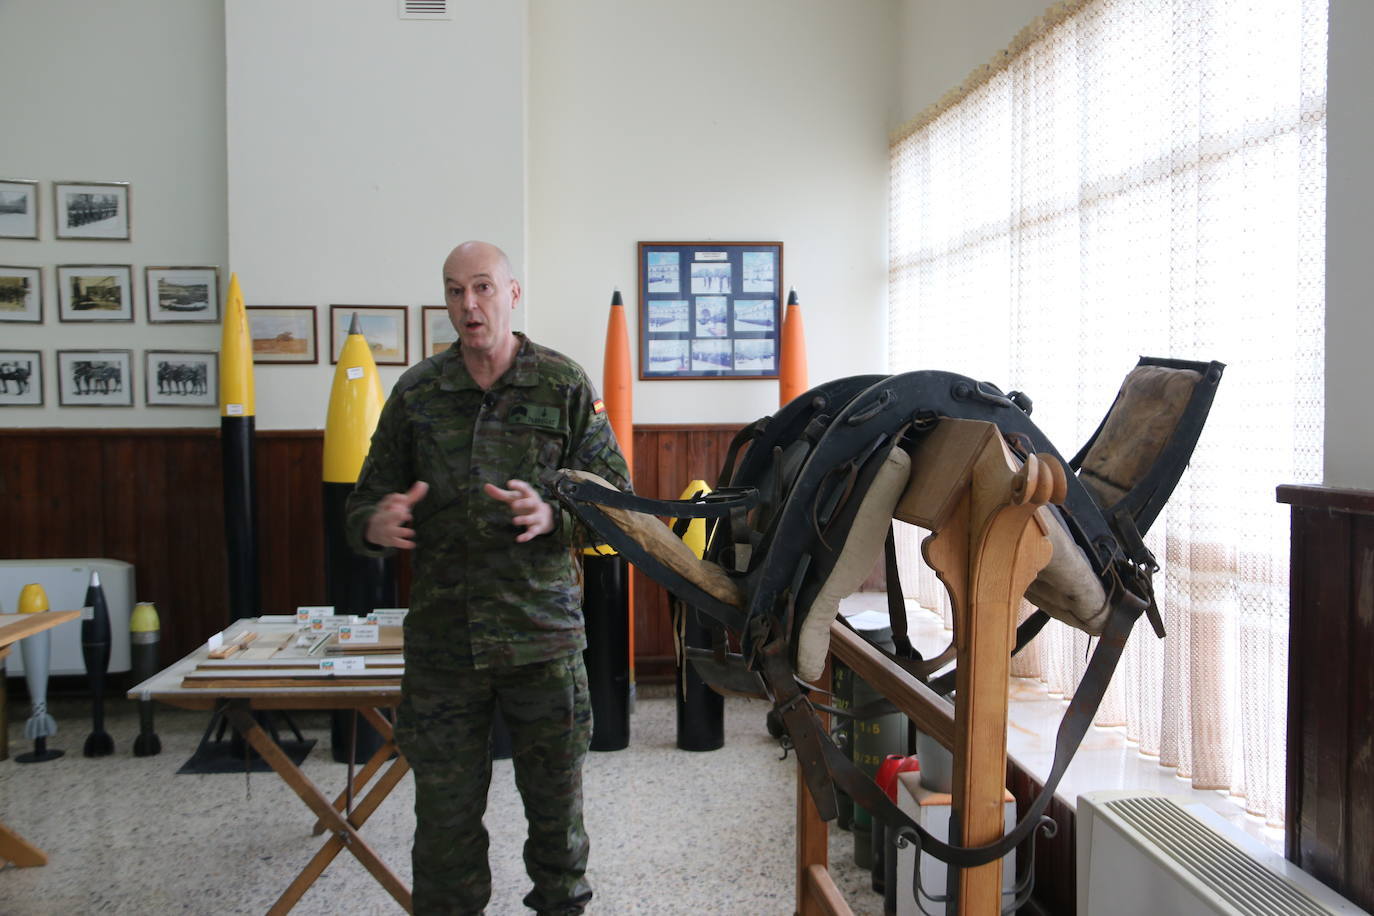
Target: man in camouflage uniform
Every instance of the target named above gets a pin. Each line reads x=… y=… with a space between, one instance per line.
x=461 y=469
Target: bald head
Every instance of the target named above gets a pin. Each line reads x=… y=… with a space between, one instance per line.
x=480 y=292
x=483 y=253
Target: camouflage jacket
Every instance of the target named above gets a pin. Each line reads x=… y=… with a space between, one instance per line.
x=477 y=597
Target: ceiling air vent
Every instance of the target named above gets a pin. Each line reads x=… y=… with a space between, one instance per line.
x=423 y=9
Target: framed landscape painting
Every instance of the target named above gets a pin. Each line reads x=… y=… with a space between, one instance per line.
x=283 y=333
x=386 y=328
x=438 y=333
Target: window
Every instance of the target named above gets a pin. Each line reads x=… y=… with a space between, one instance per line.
x=1144 y=178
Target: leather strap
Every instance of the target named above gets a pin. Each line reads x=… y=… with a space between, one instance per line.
x=842 y=772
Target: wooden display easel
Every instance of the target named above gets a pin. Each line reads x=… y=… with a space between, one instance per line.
x=987 y=546
x=14 y=627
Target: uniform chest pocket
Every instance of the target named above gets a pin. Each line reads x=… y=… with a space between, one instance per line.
x=442 y=459
x=543 y=458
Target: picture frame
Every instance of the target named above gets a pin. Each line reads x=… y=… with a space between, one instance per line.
x=18 y=208
x=95 y=378
x=21 y=294
x=95 y=292
x=283 y=333
x=181 y=295
x=386 y=327
x=91 y=210
x=709 y=310
x=181 y=378
x=437 y=332
x=21 y=378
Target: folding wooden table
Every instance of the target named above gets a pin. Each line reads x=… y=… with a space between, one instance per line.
x=14 y=627
x=340 y=818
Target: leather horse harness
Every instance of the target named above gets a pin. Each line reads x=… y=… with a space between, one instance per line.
x=799 y=511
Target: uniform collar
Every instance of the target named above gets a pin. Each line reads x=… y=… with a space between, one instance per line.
x=523 y=373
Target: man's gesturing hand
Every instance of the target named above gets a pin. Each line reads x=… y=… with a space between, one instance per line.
x=387 y=526
x=527 y=508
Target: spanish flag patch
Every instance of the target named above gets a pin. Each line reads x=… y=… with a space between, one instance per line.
x=598 y=406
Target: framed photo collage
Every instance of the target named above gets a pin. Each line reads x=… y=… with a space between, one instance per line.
x=709 y=309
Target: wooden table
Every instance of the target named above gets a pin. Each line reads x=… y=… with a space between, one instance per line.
x=340 y=818
x=14 y=627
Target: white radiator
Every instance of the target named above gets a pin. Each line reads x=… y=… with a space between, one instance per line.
x=1146 y=853
x=65 y=582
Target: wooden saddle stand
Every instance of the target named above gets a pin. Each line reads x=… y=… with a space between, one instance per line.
x=797 y=525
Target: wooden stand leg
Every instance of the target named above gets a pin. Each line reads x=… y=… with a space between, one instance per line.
x=816 y=891
x=374 y=763
x=988 y=546
x=19 y=851
x=335 y=844
x=309 y=793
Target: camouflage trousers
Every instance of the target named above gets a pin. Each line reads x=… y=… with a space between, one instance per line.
x=444 y=729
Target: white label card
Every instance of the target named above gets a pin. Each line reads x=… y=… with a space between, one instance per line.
x=387 y=617
x=233 y=410
x=354 y=372
x=343 y=665
x=214 y=642
x=307 y=613
x=358 y=634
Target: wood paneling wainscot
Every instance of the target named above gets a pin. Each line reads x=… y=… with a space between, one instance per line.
x=667 y=458
x=1330 y=784
x=153 y=498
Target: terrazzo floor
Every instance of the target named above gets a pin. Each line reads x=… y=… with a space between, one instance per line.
x=672 y=831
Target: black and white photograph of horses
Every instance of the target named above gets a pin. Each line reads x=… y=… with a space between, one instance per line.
x=95 y=378
x=21 y=378
x=181 y=378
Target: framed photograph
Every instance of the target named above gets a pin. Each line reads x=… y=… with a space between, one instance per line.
x=95 y=378
x=21 y=378
x=386 y=327
x=21 y=294
x=91 y=209
x=181 y=378
x=709 y=309
x=18 y=209
x=283 y=333
x=437 y=331
x=182 y=294
x=95 y=292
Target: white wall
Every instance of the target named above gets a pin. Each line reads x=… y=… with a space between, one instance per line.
x=942 y=41
x=660 y=121
x=361 y=148
x=130 y=91
x=1349 y=240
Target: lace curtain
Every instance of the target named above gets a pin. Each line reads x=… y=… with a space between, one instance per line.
x=1144 y=177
